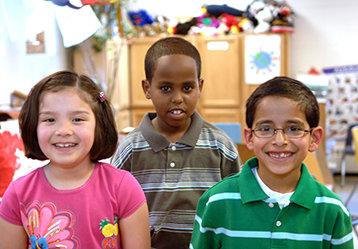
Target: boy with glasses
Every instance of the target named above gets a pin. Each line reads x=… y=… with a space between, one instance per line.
x=274 y=202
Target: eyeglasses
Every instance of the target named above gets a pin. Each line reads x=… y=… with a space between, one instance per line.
x=290 y=132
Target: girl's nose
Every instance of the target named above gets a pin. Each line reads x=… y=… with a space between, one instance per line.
x=64 y=129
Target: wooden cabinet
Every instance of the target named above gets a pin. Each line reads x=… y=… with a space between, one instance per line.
x=220 y=97
x=228 y=70
x=224 y=68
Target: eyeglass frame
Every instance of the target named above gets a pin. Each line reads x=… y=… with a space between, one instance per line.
x=275 y=130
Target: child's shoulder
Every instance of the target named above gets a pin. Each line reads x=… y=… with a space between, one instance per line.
x=34 y=178
x=135 y=136
x=213 y=132
x=227 y=185
x=323 y=190
x=108 y=168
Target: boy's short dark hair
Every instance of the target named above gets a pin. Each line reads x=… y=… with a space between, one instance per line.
x=169 y=46
x=288 y=88
x=105 y=138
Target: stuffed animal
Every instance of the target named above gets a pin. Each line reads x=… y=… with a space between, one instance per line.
x=231 y=22
x=140 y=18
x=283 y=20
x=260 y=14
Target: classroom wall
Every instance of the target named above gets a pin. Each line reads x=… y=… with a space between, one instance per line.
x=325 y=36
x=325 y=29
x=19 y=21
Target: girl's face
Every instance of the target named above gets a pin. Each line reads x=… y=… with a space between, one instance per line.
x=66 y=128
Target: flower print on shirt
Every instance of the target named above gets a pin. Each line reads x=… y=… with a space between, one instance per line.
x=110 y=232
x=48 y=228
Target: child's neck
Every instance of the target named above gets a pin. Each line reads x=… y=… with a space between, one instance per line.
x=68 y=178
x=282 y=184
x=172 y=134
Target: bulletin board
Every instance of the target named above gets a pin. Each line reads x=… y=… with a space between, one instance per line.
x=342 y=100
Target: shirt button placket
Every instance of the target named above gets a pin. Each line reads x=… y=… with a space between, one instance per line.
x=173 y=148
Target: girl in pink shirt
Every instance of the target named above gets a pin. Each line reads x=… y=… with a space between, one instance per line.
x=74 y=201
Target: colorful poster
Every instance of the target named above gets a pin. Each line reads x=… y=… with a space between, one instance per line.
x=342 y=100
x=262 y=58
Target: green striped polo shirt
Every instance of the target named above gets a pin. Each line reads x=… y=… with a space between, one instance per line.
x=175 y=175
x=233 y=214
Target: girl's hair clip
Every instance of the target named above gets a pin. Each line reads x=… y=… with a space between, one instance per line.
x=101 y=97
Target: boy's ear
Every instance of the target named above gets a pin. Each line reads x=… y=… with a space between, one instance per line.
x=201 y=83
x=248 y=138
x=316 y=138
x=146 y=88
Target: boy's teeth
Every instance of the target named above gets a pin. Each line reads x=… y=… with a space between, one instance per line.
x=64 y=145
x=280 y=155
x=177 y=111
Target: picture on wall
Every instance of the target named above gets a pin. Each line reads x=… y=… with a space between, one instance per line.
x=262 y=58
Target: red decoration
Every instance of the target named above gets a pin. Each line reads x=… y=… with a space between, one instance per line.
x=8 y=160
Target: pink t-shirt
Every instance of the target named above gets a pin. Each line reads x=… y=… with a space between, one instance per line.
x=85 y=217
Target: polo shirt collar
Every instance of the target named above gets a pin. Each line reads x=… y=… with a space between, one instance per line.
x=306 y=190
x=158 y=142
x=250 y=189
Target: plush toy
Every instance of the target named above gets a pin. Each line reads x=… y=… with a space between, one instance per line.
x=160 y=24
x=260 y=14
x=218 y=10
x=246 y=25
x=183 y=28
x=207 y=19
x=231 y=22
x=283 y=20
x=140 y=18
x=142 y=21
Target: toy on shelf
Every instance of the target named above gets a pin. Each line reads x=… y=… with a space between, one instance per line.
x=142 y=21
x=274 y=16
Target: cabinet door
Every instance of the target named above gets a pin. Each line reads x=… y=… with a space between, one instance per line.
x=138 y=49
x=219 y=101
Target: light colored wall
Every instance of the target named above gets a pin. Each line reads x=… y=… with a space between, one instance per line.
x=18 y=70
x=325 y=36
x=325 y=29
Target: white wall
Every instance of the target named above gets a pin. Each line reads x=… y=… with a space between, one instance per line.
x=326 y=35
x=19 y=21
x=326 y=30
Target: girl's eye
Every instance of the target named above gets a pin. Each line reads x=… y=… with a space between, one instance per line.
x=77 y=119
x=49 y=120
